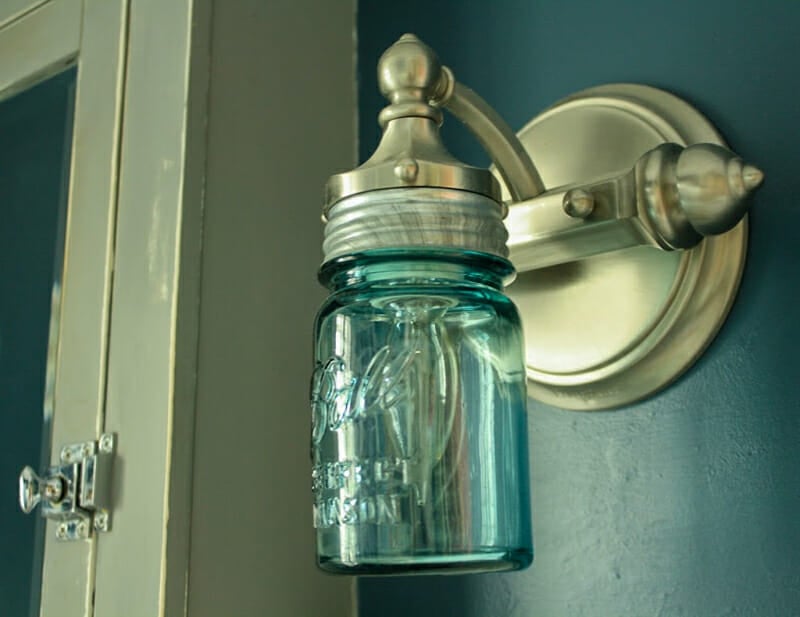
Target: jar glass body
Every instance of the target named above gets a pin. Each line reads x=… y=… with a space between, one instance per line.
x=419 y=430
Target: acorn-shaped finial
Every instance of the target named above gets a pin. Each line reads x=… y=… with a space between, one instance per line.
x=411 y=76
x=685 y=194
x=409 y=71
x=713 y=185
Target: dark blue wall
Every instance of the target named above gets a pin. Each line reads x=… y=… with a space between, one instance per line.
x=689 y=503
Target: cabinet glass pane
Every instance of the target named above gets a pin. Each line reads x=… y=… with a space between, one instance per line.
x=35 y=144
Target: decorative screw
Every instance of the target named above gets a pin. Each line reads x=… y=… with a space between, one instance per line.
x=578 y=203
x=61 y=531
x=87 y=450
x=101 y=521
x=406 y=170
x=107 y=443
x=54 y=489
x=66 y=454
x=81 y=529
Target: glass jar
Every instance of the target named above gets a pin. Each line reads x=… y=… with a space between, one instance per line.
x=419 y=432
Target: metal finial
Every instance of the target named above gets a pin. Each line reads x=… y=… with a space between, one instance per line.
x=409 y=71
x=752 y=177
x=411 y=152
x=713 y=185
x=411 y=76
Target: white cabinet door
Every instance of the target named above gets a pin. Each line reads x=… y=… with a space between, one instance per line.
x=142 y=565
x=122 y=354
x=38 y=42
x=35 y=147
x=186 y=121
x=12 y=10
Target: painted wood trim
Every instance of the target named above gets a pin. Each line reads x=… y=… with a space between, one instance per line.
x=142 y=565
x=38 y=44
x=68 y=577
x=12 y=10
x=281 y=120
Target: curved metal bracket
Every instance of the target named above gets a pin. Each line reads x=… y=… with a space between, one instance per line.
x=671 y=199
x=513 y=162
x=608 y=319
x=618 y=328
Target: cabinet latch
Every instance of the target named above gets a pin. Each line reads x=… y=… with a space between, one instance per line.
x=75 y=493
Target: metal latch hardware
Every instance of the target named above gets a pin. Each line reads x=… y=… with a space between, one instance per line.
x=76 y=493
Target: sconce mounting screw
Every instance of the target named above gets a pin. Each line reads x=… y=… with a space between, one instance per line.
x=107 y=443
x=101 y=521
x=406 y=170
x=578 y=203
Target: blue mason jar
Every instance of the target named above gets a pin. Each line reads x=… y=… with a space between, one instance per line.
x=419 y=431
x=418 y=395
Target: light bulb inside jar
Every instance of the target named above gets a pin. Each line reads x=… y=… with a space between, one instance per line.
x=419 y=439
x=419 y=435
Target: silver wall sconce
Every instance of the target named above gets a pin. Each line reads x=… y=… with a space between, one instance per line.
x=629 y=238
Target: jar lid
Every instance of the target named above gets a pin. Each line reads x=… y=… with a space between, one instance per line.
x=411 y=154
x=415 y=218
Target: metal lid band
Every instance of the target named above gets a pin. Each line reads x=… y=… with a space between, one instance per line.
x=415 y=217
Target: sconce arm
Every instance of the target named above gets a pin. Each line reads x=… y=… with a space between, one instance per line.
x=542 y=233
x=671 y=199
x=493 y=133
x=612 y=330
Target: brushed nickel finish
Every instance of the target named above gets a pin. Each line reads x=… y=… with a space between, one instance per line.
x=578 y=203
x=610 y=330
x=714 y=184
x=512 y=161
x=628 y=169
x=671 y=198
x=411 y=152
x=415 y=217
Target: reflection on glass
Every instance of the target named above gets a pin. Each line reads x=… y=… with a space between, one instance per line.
x=35 y=143
x=419 y=440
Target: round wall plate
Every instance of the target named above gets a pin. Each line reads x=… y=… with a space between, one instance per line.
x=612 y=329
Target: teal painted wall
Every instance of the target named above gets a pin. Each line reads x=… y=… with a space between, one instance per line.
x=689 y=503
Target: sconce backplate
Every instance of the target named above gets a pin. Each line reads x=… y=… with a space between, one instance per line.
x=612 y=329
